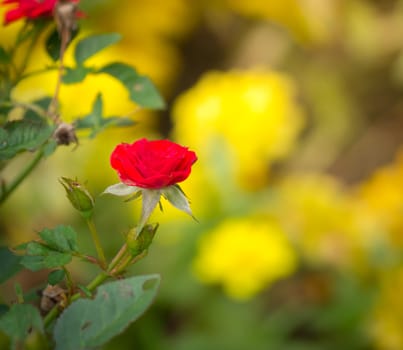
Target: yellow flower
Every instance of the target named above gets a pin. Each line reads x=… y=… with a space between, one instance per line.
x=245 y=256
x=382 y=195
x=322 y=220
x=306 y=20
x=247 y=118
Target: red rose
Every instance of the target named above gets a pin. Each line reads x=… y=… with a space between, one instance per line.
x=152 y=164
x=29 y=9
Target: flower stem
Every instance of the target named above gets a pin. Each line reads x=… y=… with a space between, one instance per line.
x=69 y=281
x=20 y=178
x=128 y=261
x=52 y=314
x=118 y=257
x=97 y=243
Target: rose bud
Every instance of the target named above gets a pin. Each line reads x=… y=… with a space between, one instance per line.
x=79 y=196
x=139 y=244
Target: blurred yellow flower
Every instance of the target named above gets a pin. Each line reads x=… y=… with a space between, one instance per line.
x=382 y=195
x=245 y=256
x=307 y=20
x=249 y=118
x=321 y=220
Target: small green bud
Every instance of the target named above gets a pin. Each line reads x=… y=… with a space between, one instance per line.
x=79 y=196
x=139 y=244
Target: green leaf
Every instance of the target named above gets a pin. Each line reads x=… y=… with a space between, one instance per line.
x=96 y=122
x=50 y=148
x=75 y=75
x=56 y=277
x=140 y=87
x=177 y=198
x=41 y=257
x=89 y=46
x=19 y=321
x=53 y=43
x=3 y=309
x=61 y=238
x=4 y=56
x=22 y=135
x=121 y=189
x=91 y=323
x=10 y=264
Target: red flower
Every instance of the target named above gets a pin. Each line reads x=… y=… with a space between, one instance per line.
x=152 y=164
x=30 y=9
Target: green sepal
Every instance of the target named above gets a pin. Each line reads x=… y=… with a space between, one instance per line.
x=120 y=189
x=150 y=199
x=174 y=195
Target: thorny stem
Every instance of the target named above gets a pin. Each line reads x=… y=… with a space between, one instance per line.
x=31 y=166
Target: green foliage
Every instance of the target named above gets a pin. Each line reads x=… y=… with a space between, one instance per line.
x=20 y=321
x=22 y=135
x=40 y=257
x=96 y=122
x=10 y=264
x=61 y=238
x=91 y=45
x=4 y=56
x=55 y=250
x=56 y=277
x=90 y=323
x=75 y=75
x=141 y=89
x=37 y=113
x=53 y=43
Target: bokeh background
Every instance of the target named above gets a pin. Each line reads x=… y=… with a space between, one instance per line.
x=295 y=110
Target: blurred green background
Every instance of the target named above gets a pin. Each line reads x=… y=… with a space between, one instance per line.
x=295 y=110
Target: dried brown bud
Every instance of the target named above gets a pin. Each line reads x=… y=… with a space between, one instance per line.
x=65 y=134
x=51 y=296
x=65 y=13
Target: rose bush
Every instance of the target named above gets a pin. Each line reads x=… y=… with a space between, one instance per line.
x=152 y=164
x=30 y=9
